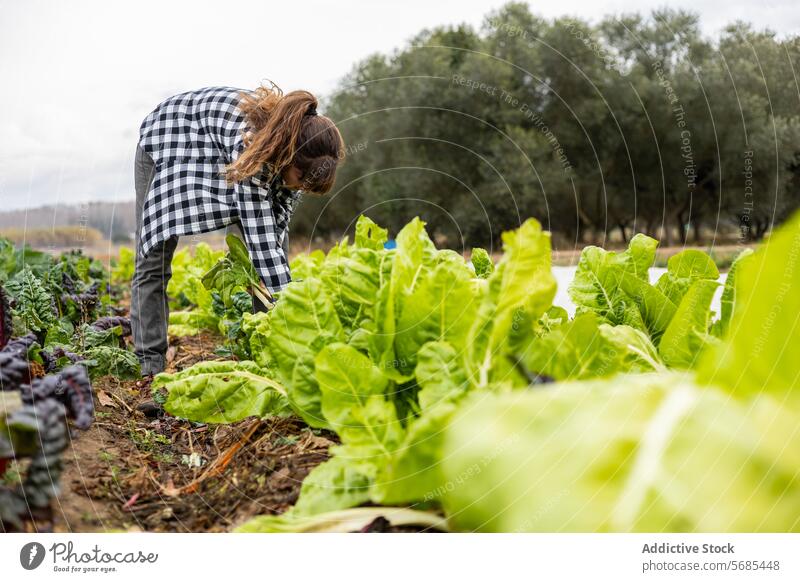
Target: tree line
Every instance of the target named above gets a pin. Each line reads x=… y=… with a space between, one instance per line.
x=631 y=124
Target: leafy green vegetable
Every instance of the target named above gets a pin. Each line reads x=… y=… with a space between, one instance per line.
x=522 y=282
x=304 y=266
x=369 y=235
x=222 y=392
x=353 y=399
x=55 y=298
x=255 y=327
x=728 y=300
x=60 y=334
x=8 y=260
x=616 y=287
x=301 y=324
x=338 y=483
x=124 y=266
x=441 y=307
x=422 y=366
x=646 y=307
x=649 y=452
x=635 y=453
x=583 y=348
x=634 y=348
x=185 y=287
x=236 y=263
x=761 y=354
x=409 y=259
x=352 y=277
x=106 y=360
x=412 y=473
x=596 y=286
x=235 y=272
x=192 y=322
x=683 y=269
x=440 y=375
x=688 y=332
x=482 y=263
x=89 y=336
x=33 y=307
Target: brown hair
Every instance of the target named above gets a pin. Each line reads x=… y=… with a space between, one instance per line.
x=283 y=131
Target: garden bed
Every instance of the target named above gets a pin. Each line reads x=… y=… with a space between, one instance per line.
x=135 y=472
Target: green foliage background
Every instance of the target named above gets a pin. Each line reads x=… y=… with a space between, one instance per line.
x=631 y=124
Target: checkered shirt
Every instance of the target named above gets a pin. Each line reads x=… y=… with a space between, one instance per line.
x=191 y=138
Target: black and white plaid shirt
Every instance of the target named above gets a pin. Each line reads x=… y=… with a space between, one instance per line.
x=191 y=138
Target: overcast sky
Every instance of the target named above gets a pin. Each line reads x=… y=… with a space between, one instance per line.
x=79 y=76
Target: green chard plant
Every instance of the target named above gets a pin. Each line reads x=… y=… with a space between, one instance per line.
x=425 y=365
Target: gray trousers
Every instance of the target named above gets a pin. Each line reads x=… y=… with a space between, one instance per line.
x=149 y=305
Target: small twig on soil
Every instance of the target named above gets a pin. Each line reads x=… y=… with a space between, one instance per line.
x=121 y=401
x=216 y=467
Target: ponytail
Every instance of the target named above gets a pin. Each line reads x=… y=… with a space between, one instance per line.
x=284 y=131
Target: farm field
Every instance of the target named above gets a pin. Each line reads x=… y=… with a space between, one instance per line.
x=132 y=472
x=407 y=389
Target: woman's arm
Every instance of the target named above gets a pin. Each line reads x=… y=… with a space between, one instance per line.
x=262 y=234
x=285 y=202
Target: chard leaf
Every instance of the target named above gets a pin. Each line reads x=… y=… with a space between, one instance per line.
x=111 y=361
x=352 y=280
x=442 y=307
x=233 y=273
x=761 y=354
x=482 y=263
x=123 y=267
x=440 y=375
x=33 y=307
x=222 y=392
x=308 y=265
x=637 y=453
x=256 y=328
x=687 y=335
x=551 y=319
x=413 y=472
x=192 y=322
x=595 y=286
x=301 y=323
x=354 y=399
x=341 y=482
x=583 y=348
x=683 y=269
x=240 y=257
x=413 y=247
x=573 y=350
x=60 y=334
x=728 y=300
x=185 y=287
x=634 y=348
x=369 y=235
x=656 y=310
x=92 y=337
x=521 y=281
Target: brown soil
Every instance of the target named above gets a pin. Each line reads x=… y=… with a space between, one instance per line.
x=131 y=472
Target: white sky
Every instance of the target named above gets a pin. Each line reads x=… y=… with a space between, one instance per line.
x=79 y=76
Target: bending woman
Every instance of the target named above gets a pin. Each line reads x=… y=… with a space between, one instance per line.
x=216 y=158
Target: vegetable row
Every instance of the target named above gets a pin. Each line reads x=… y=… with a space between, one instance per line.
x=457 y=387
